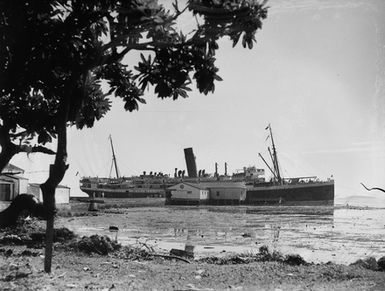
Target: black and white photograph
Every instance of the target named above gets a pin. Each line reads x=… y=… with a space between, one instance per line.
x=196 y=145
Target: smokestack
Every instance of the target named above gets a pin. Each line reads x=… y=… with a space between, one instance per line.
x=225 y=169
x=190 y=163
x=176 y=173
x=216 y=169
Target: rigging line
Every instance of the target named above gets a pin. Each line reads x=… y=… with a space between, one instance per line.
x=114 y=158
x=112 y=164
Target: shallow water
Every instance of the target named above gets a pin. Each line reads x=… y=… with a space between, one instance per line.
x=319 y=234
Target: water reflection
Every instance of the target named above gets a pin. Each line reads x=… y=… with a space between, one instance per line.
x=257 y=226
x=277 y=210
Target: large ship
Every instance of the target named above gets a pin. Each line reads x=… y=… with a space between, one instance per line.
x=278 y=190
x=285 y=191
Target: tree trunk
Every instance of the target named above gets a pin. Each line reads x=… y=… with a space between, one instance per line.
x=5 y=156
x=48 y=190
x=48 y=251
x=56 y=174
x=8 y=149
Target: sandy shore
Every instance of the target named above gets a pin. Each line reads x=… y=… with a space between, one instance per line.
x=74 y=270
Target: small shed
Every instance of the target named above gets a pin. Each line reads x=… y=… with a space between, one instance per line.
x=187 y=193
x=6 y=190
x=226 y=192
x=11 y=183
x=62 y=193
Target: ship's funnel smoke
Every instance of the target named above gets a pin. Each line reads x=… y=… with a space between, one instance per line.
x=190 y=163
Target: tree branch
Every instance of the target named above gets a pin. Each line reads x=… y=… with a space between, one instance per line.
x=177 y=11
x=117 y=42
x=15 y=135
x=375 y=188
x=36 y=149
x=8 y=149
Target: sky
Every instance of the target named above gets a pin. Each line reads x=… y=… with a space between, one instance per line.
x=316 y=75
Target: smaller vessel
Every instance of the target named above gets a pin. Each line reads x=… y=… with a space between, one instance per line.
x=286 y=191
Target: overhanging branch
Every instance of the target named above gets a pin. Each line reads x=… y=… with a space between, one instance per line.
x=35 y=149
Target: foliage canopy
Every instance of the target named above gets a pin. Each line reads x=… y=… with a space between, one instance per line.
x=56 y=52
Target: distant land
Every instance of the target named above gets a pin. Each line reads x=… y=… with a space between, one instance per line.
x=376 y=199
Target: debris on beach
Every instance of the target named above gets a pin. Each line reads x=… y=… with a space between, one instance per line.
x=264 y=255
x=182 y=253
x=368 y=263
x=295 y=260
x=381 y=264
x=101 y=245
x=31 y=234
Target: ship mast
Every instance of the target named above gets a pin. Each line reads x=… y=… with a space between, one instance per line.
x=275 y=158
x=114 y=159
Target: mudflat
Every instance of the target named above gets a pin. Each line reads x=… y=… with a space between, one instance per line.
x=93 y=260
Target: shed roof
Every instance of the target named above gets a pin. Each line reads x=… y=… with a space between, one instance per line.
x=223 y=184
x=197 y=185
x=194 y=185
x=38 y=185
x=12 y=169
x=12 y=177
x=213 y=184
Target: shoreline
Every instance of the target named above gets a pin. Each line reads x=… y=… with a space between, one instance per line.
x=99 y=263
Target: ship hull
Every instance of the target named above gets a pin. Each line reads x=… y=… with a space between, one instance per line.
x=298 y=194
x=122 y=193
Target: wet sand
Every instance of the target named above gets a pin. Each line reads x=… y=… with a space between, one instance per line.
x=319 y=234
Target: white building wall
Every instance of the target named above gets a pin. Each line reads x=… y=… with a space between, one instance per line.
x=204 y=194
x=227 y=193
x=191 y=194
x=23 y=186
x=62 y=195
x=185 y=192
x=35 y=191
